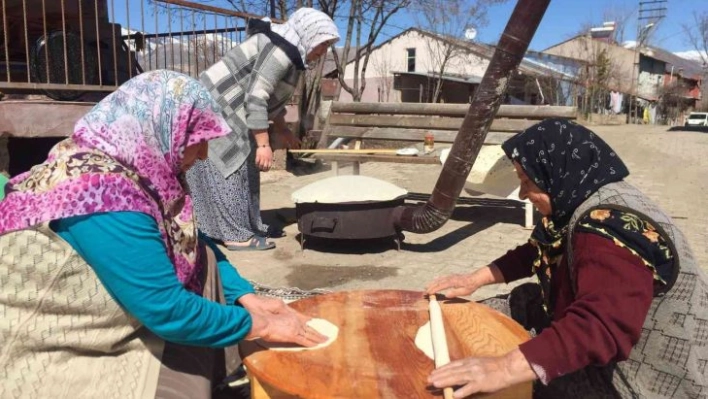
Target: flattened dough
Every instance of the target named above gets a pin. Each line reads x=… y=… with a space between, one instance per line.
x=322 y=326
x=424 y=340
x=348 y=188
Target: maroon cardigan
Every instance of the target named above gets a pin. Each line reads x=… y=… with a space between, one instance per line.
x=598 y=324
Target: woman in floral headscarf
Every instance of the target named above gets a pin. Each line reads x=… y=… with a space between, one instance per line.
x=252 y=84
x=623 y=298
x=106 y=288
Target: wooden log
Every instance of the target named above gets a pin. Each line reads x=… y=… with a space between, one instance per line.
x=506 y=111
x=41 y=119
x=411 y=159
x=423 y=122
x=400 y=134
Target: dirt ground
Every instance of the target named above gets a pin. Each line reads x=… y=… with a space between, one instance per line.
x=669 y=166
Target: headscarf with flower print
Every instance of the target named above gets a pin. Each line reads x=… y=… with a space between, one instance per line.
x=126 y=155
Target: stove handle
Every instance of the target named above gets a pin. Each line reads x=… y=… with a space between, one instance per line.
x=324 y=224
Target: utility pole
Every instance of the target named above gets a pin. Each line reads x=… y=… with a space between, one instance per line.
x=272 y=10
x=651 y=12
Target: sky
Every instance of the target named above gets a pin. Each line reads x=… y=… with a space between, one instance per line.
x=563 y=19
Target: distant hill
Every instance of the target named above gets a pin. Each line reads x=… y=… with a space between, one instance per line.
x=187 y=54
x=693 y=55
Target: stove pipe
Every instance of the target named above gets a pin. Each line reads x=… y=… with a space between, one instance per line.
x=509 y=52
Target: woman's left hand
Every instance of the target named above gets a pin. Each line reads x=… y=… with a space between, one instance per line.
x=483 y=374
x=255 y=303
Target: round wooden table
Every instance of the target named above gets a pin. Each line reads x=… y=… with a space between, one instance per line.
x=375 y=355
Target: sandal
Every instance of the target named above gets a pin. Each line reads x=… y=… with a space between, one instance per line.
x=258 y=243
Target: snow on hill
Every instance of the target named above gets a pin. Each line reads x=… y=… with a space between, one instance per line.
x=186 y=53
x=693 y=55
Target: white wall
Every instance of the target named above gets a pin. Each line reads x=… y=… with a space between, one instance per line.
x=392 y=57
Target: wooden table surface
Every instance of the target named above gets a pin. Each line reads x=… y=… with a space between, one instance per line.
x=375 y=355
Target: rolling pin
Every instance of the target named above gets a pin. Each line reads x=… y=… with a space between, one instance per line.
x=437 y=329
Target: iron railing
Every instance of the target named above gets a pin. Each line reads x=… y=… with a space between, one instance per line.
x=65 y=48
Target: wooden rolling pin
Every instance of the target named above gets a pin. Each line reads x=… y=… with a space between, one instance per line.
x=437 y=329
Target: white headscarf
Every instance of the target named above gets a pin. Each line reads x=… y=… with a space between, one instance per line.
x=306 y=29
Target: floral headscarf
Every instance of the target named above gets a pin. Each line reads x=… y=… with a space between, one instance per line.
x=570 y=163
x=125 y=155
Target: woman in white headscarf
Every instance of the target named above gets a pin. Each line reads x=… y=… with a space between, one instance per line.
x=252 y=83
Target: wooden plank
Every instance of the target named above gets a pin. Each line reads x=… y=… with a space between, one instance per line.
x=397 y=134
x=428 y=160
x=418 y=122
x=391 y=133
x=345 y=151
x=41 y=119
x=505 y=111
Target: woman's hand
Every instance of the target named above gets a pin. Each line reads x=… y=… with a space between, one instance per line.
x=275 y=321
x=264 y=157
x=455 y=284
x=260 y=304
x=264 y=154
x=465 y=284
x=483 y=374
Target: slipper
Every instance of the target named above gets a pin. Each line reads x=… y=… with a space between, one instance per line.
x=258 y=243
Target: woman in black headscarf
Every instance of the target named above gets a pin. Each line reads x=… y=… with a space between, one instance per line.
x=620 y=310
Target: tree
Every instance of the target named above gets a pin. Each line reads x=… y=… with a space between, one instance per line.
x=449 y=19
x=383 y=68
x=697 y=36
x=371 y=14
x=672 y=102
x=620 y=15
x=279 y=9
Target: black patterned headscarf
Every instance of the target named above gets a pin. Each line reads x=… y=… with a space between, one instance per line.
x=567 y=161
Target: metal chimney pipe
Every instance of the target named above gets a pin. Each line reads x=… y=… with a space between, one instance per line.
x=510 y=51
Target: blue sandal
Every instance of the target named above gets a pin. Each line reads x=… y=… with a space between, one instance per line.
x=258 y=243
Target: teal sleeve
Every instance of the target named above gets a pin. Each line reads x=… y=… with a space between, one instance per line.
x=234 y=285
x=3 y=182
x=127 y=252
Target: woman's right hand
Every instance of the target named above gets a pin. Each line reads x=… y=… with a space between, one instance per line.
x=465 y=284
x=455 y=285
x=288 y=327
x=264 y=157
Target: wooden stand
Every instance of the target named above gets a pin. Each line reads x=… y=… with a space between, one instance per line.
x=375 y=355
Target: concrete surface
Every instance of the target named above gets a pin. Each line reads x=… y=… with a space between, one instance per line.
x=670 y=167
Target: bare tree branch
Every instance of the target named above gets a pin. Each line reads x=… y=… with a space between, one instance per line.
x=449 y=19
x=373 y=14
x=342 y=63
x=697 y=34
x=621 y=16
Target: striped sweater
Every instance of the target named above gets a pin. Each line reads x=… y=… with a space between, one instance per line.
x=252 y=83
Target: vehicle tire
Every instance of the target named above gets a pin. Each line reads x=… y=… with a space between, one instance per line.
x=47 y=64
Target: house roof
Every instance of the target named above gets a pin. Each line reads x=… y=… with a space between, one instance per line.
x=690 y=69
x=533 y=67
x=469 y=79
x=681 y=66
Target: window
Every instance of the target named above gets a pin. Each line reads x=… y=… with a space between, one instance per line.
x=411 y=59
